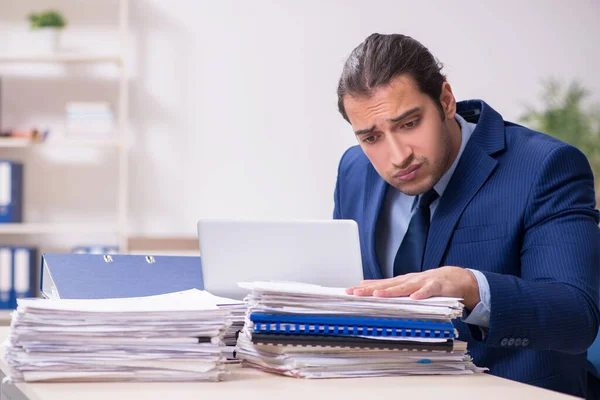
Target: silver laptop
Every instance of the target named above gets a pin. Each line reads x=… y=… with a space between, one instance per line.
x=319 y=252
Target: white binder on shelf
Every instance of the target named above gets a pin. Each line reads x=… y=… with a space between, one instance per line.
x=11 y=192
x=23 y=266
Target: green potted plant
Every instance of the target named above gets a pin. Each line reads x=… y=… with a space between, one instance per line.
x=565 y=116
x=46 y=27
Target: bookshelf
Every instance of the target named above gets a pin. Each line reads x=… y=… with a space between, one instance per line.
x=65 y=143
x=119 y=143
x=52 y=228
x=74 y=58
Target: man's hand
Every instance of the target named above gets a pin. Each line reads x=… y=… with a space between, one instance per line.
x=443 y=281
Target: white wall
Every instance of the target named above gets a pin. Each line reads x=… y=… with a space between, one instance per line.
x=244 y=92
x=233 y=103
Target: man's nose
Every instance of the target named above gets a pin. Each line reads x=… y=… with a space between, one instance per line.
x=399 y=153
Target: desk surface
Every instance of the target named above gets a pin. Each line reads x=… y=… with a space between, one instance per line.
x=5 y=317
x=248 y=384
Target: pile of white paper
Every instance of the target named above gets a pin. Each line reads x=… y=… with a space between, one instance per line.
x=237 y=310
x=306 y=352
x=171 y=337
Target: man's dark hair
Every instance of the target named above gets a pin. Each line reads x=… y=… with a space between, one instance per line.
x=380 y=59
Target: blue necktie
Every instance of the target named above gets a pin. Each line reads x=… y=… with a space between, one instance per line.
x=409 y=257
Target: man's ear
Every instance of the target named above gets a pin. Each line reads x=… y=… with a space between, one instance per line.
x=448 y=101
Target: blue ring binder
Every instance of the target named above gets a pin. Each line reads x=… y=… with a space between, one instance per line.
x=350 y=326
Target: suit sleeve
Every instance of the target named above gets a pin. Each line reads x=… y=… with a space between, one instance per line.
x=337 y=208
x=554 y=304
x=337 y=213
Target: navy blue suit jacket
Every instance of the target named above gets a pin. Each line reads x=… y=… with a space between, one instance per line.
x=520 y=207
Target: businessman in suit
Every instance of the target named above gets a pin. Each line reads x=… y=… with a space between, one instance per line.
x=451 y=200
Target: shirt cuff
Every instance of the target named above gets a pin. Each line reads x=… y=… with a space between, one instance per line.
x=480 y=315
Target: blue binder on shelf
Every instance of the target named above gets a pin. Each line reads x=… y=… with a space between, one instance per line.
x=350 y=326
x=6 y=278
x=17 y=274
x=93 y=276
x=11 y=192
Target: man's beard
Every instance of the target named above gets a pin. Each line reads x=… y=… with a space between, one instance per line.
x=438 y=169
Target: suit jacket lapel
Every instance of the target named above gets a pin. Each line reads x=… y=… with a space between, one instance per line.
x=473 y=169
x=375 y=191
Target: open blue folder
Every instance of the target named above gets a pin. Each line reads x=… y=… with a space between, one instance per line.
x=94 y=276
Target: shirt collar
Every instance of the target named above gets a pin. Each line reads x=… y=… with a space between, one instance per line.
x=466 y=129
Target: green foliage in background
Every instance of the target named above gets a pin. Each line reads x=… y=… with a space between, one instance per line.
x=47 y=19
x=564 y=116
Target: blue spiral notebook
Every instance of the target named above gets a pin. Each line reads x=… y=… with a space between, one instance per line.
x=350 y=326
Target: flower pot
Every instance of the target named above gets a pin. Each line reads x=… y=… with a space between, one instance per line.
x=44 y=40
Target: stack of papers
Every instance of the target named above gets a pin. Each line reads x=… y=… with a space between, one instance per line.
x=312 y=331
x=171 y=337
x=237 y=310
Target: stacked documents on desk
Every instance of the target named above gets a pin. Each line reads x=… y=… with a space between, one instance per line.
x=311 y=331
x=238 y=315
x=171 y=337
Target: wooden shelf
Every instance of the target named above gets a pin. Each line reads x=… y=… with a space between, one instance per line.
x=26 y=143
x=33 y=228
x=5 y=317
x=16 y=61
x=58 y=58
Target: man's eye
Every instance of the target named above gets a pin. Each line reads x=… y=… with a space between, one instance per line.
x=370 y=139
x=412 y=124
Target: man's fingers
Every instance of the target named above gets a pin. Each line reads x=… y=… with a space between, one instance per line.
x=364 y=283
x=368 y=287
x=430 y=289
x=398 y=290
x=368 y=290
x=369 y=282
x=360 y=290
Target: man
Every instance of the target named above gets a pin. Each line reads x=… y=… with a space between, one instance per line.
x=451 y=200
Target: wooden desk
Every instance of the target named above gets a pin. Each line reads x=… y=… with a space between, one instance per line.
x=5 y=317
x=248 y=384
